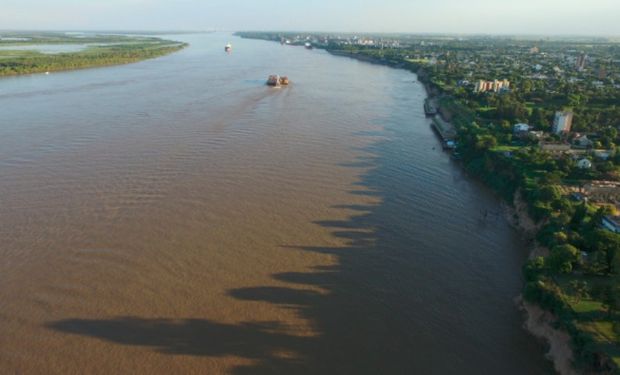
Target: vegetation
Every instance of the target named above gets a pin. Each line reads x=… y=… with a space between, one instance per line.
x=99 y=50
x=579 y=279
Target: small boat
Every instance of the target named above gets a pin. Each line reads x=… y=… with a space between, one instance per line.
x=273 y=80
x=228 y=47
x=308 y=45
x=284 y=80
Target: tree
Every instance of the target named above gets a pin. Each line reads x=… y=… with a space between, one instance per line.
x=606 y=243
x=562 y=258
x=581 y=290
x=486 y=142
x=549 y=193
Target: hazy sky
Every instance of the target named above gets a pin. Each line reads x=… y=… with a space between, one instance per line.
x=591 y=17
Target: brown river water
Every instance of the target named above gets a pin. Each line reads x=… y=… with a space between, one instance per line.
x=178 y=216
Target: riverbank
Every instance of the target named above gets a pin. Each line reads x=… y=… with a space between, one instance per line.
x=579 y=327
x=18 y=59
x=538 y=322
x=574 y=276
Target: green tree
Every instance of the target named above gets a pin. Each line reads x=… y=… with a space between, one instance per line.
x=562 y=258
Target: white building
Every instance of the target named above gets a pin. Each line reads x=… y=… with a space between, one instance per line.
x=520 y=128
x=584 y=164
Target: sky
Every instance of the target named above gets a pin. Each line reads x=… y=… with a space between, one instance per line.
x=522 y=17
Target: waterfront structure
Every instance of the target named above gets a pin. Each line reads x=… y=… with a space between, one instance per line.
x=562 y=122
x=495 y=86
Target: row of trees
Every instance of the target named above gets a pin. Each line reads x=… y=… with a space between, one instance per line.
x=99 y=56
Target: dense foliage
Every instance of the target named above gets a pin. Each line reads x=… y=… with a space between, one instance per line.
x=99 y=51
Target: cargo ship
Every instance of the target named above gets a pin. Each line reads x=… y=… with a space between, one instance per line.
x=228 y=47
x=275 y=80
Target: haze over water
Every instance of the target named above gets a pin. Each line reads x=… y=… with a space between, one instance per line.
x=178 y=216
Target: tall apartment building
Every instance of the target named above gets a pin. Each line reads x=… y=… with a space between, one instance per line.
x=581 y=61
x=495 y=86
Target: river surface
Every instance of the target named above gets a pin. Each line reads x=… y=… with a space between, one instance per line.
x=178 y=216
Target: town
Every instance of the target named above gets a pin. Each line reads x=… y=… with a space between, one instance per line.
x=537 y=119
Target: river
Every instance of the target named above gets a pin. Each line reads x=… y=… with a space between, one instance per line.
x=178 y=216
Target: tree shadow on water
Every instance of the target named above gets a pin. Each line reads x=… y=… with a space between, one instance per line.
x=362 y=309
x=350 y=332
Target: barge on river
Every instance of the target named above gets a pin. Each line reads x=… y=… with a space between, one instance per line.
x=275 y=80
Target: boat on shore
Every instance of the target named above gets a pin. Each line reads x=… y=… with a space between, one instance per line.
x=228 y=47
x=429 y=107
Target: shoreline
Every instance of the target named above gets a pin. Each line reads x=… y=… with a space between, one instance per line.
x=101 y=64
x=536 y=321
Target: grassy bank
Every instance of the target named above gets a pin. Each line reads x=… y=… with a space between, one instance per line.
x=16 y=58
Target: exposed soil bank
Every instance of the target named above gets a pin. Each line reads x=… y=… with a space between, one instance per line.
x=540 y=324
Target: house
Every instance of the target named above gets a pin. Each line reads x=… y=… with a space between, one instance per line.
x=520 y=128
x=603 y=154
x=611 y=223
x=582 y=142
x=584 y=164
x=577 y=197
x=536 y=134
x=603 y=191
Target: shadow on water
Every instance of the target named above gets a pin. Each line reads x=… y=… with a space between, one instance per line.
x=376 y=311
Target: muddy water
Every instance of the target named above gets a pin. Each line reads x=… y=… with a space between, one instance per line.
x=178 y=216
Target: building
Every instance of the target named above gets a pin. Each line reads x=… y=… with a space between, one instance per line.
x=580 y=63
x=536 y=134
x=603 y=154
x=611 y=223
x=584 y=164
x=603 y=191
x=495 y=86
x=520 y=128
x=562 y=122
x=583 y=142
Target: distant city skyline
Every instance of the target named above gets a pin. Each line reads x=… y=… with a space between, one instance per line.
x=525 y=17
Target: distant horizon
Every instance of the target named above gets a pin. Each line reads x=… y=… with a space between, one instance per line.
x=598 y=18
x=420 y=33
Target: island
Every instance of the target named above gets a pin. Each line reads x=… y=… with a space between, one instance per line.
x=538 y=120
x=41 y=52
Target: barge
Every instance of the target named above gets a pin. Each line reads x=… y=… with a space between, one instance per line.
x=275 y=80
x=429 y=107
